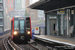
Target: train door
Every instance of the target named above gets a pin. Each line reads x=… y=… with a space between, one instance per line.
x=52 y=26
x=22 y=28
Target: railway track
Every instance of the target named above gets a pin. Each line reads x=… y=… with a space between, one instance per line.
x=10 y=45
x=27 y=47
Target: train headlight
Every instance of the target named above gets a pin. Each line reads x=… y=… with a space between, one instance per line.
x=15 y=33
x=28 y=32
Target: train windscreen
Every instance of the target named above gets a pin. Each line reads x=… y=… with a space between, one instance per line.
x=16 y=25
x=21 y=24
x=27 y=22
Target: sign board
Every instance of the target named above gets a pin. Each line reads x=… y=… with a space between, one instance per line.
x=61 y=12
x=52 y=17
x=72 y=11
x=36 y=30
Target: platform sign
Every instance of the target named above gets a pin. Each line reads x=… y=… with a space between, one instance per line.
x=52 y=17
x=61 y=12
x=72 y=11
x=36 y=30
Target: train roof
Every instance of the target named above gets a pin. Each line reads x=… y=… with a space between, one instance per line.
x=19 y=18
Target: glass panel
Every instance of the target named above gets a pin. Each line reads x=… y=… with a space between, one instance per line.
x=65 y=24
x=16 y=25
x=1 y=14
x=1 y=29
x=27 y=23
x=18 y=1
x=0 y=0
x=21 y=25
x=1 y=22
x=1 y=6
x=62 y=24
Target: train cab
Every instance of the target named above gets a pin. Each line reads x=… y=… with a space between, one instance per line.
x=21 y=29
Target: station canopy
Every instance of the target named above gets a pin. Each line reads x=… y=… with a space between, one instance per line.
x=52 y=4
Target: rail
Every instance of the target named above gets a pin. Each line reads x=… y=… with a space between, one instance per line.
x=9 y=44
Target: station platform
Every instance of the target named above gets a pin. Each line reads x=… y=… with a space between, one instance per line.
x=56 y=39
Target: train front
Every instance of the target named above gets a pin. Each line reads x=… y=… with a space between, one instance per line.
x=22 y=29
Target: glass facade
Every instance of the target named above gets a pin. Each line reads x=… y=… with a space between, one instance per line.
x=1 y=14
x=1 y=6
x=1 y=22
x=0 y=1
x=65 y=24
x=18 y=4
x=1 y=29
x=62 y=24
x=68 y=21
x=72 y=22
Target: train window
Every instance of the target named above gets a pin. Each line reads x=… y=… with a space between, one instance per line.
x=21 y=24
x=28 y=23
x=16 y=25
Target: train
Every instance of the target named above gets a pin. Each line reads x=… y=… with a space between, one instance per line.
x=21 y=29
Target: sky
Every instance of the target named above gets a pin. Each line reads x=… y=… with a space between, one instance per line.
x=33 y=1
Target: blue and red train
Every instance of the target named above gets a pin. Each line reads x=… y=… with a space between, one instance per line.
x=21 y=29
